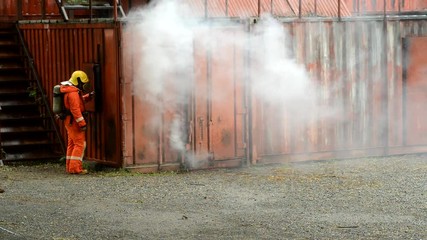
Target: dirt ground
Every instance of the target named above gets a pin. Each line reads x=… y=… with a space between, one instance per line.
x=369 y=198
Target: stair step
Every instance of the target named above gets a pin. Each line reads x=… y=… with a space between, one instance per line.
x=31 y=156
x=7 y=31
x=26 y=129
x=7 y=42
x=13 y=71
x=22 y=122
x=10 y=31
x=14 y=90
x=19 y=98
x=13 y=77
x=11 y=65
x=20 y=116
x=25 y=110
x=7 y=70
x=10 y=55
x=7 y=25
x=22 y=142
x=14 y=103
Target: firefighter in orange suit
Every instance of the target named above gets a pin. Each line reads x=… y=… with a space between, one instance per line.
x=75 y=122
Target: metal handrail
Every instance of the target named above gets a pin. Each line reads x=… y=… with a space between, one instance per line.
x=298 y=11
x=60 y=4
x=40 y=88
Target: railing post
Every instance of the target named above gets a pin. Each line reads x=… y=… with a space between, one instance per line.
x=115 y=10
x=43 y=9
x=19 y=9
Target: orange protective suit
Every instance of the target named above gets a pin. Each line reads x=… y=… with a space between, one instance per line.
x=76 y=126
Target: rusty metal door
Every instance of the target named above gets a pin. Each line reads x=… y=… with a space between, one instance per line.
x=415 y=91
x=218 y=103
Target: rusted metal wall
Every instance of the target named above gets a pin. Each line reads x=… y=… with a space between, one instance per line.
x=359 y=68
x=60 y=49
x=363 y=108
x=28 y=9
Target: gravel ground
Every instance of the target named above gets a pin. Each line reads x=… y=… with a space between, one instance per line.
x=369 y=198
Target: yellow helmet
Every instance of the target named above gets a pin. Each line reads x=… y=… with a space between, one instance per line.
x=75 y=77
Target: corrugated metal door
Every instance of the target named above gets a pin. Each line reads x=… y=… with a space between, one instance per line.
x=415 y=95
x=219 y=101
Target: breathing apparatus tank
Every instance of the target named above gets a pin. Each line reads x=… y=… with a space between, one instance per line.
x=58 y=101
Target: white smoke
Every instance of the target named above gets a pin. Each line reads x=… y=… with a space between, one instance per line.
x=164 y=37
x=277 y=77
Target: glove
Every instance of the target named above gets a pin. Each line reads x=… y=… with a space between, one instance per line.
x=83 y=128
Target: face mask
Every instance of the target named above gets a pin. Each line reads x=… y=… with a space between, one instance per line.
x=85 y=87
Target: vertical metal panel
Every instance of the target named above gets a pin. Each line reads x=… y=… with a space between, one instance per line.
x=58 y=50
x=327 y=82
x=226 y=79
x=339 y=35
x=146 y=131
x=127 y=101
x=395 y=74
x=376 y=72
x=415 y=89
x=201 y=100
x=110 y=121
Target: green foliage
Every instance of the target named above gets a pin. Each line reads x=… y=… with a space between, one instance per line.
x=34 y=93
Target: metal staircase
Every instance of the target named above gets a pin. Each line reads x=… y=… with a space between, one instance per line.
x=26 y=129
x=103 y=8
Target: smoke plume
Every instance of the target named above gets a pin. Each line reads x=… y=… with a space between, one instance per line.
x=164 y=36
